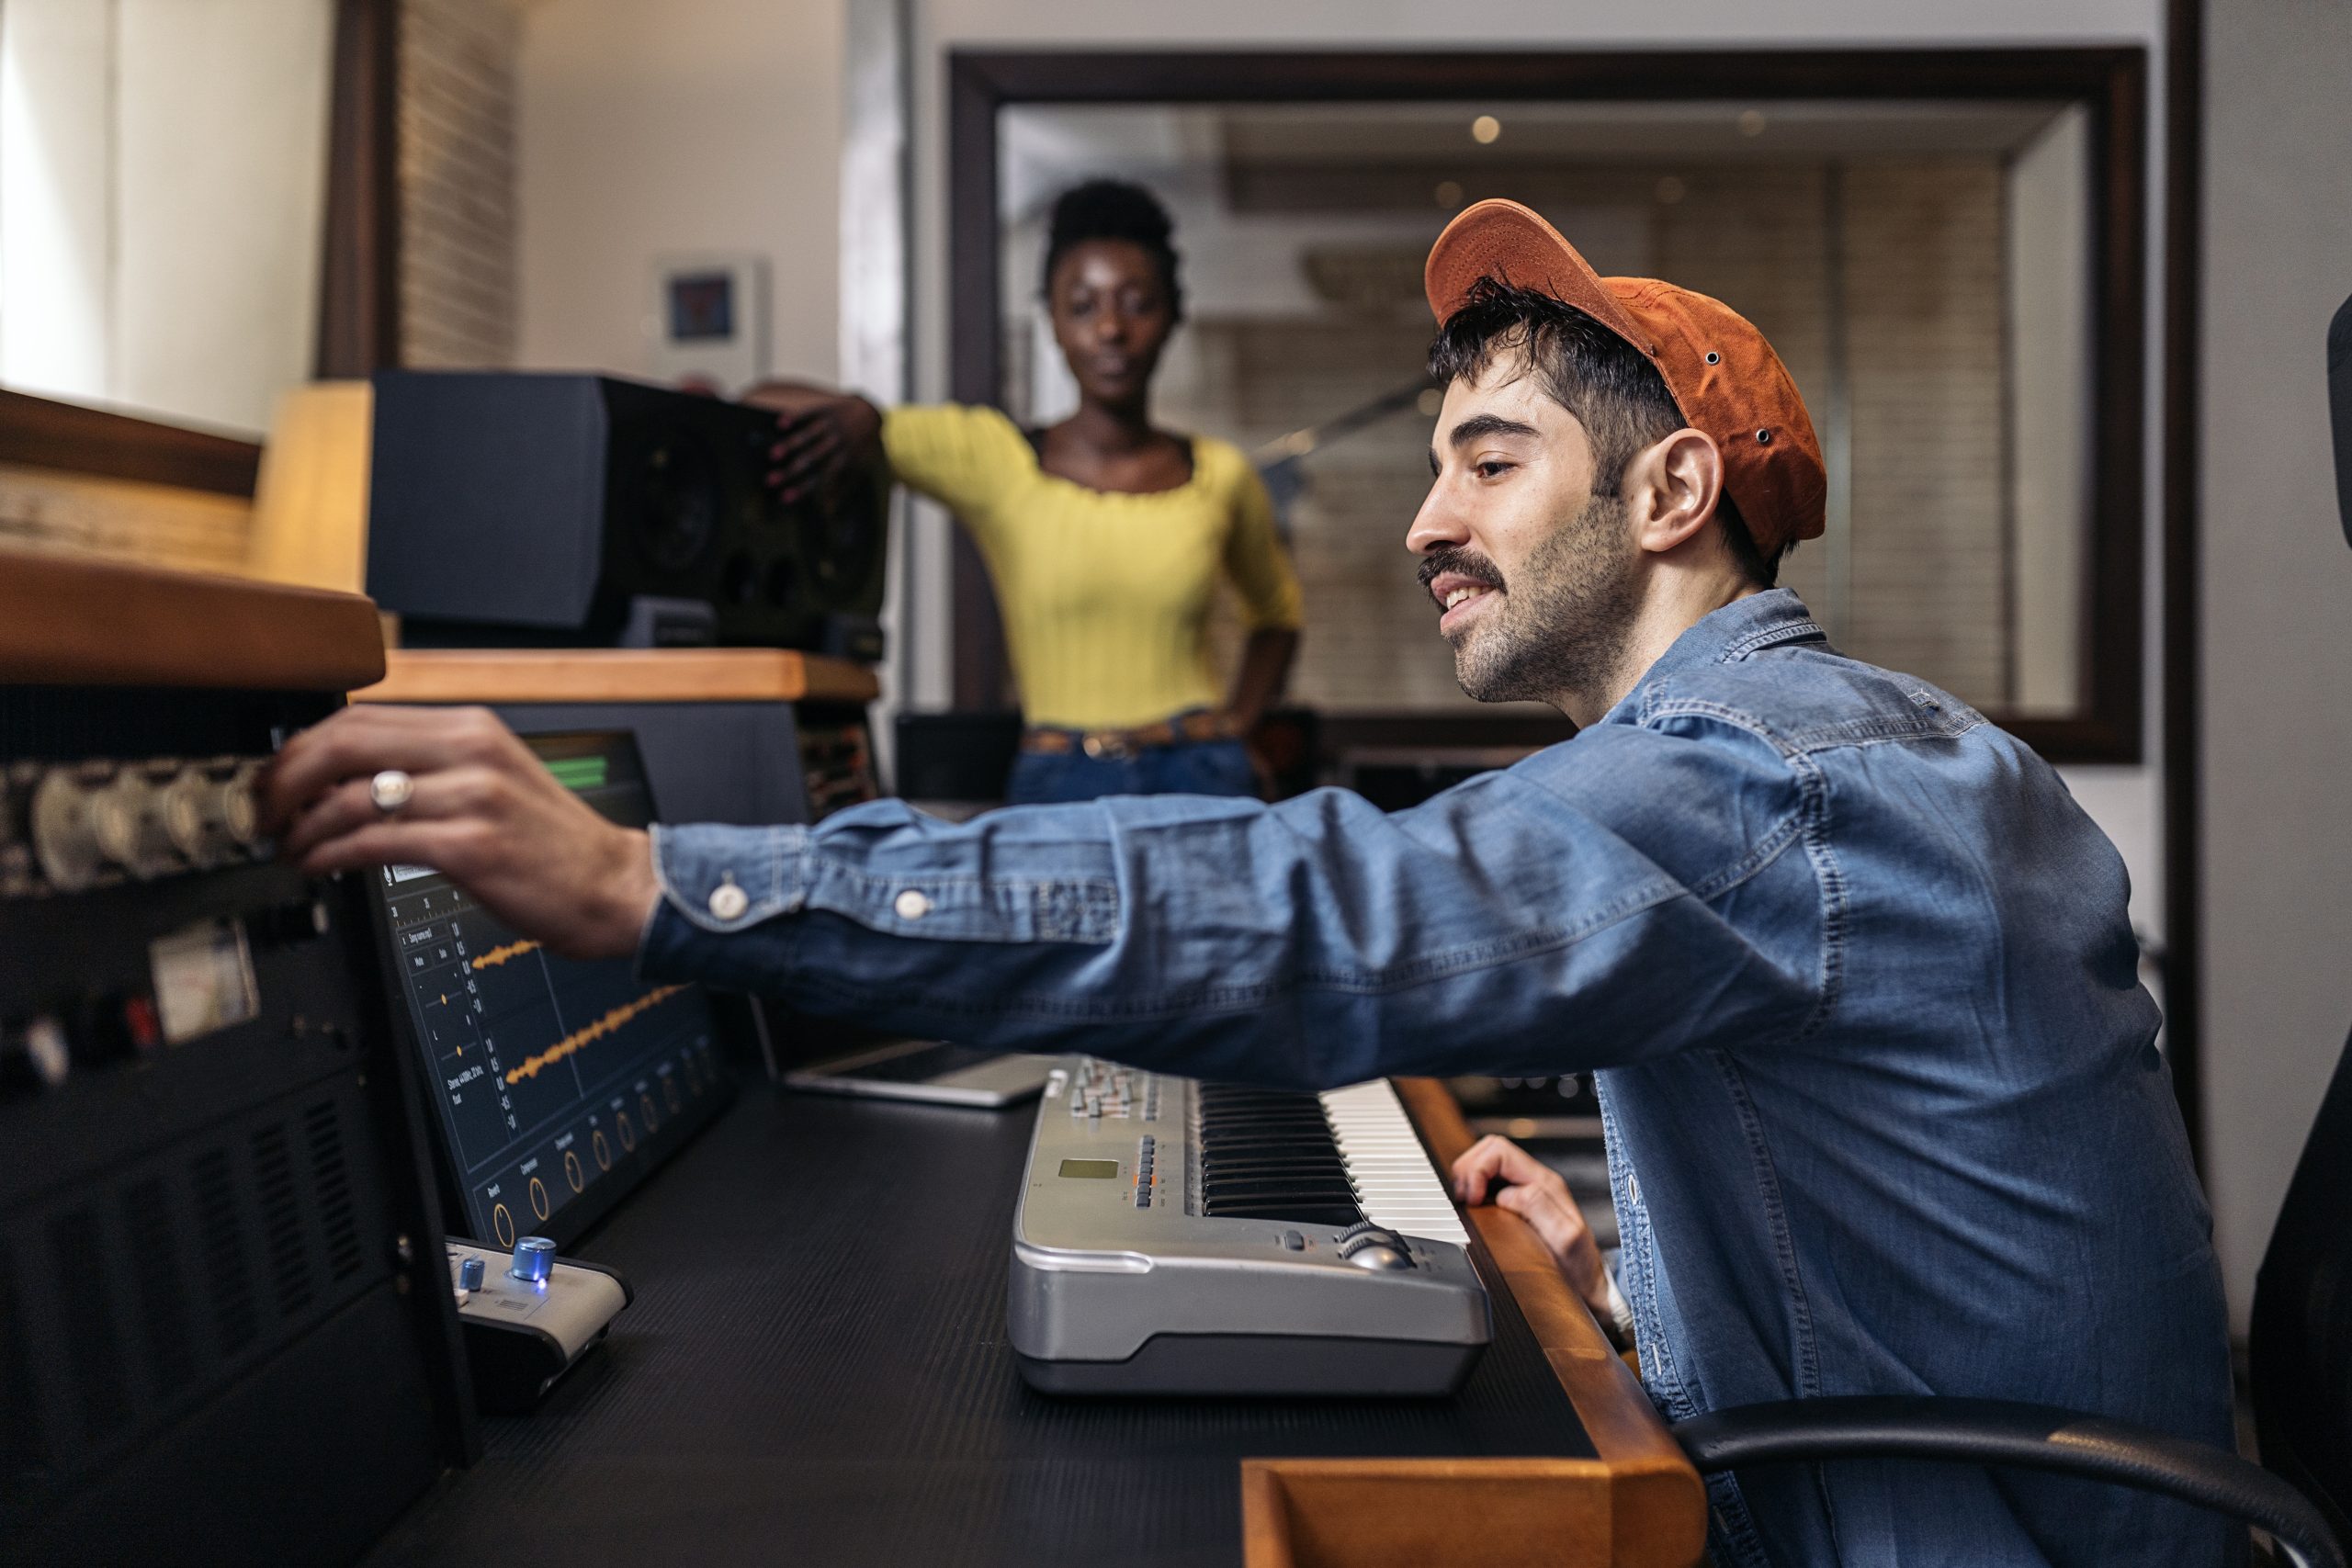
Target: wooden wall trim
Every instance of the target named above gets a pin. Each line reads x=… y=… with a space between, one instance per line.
x=619 y=675
x=359 y=303
x=72 y=621
x=43 y=433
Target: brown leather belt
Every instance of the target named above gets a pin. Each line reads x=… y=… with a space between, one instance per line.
x=1117 y=744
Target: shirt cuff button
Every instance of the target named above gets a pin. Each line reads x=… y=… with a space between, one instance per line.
x=911 y=905
x=727 y=901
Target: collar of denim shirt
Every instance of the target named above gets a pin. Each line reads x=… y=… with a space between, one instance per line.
x=1760 y=620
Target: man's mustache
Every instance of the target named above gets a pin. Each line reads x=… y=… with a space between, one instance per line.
x=1463 y=563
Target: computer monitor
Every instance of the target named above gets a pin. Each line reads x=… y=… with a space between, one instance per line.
x=556 y=1085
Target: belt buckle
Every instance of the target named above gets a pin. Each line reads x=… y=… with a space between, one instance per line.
x=1106 y=745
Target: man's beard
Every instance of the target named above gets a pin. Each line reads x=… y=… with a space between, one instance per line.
x=1565 y=617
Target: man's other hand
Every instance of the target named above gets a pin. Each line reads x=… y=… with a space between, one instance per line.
x=1497 y=1170
x=484 y=811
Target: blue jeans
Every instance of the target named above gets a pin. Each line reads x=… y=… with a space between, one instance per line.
x=1189 y=767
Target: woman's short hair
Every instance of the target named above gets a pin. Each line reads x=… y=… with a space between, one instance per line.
x=1115 y=209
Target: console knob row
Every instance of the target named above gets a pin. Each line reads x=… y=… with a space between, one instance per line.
x=147 y=819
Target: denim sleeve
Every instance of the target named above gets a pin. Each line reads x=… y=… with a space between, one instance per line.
x=1627 y=894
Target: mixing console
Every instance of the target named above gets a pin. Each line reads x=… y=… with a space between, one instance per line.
x=218 y=1342
x=559 y=1083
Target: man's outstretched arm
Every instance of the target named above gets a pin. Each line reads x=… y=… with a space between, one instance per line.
x=1503 y=926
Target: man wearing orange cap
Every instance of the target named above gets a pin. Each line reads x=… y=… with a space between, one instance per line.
x=1883 y=1107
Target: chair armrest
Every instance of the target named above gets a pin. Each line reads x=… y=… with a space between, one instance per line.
x=1998 y=1432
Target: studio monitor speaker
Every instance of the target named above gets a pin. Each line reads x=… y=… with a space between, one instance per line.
x=548 y=509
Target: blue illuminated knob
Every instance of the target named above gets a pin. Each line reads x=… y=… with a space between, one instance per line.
x=534 y=1259
x=469 y=1274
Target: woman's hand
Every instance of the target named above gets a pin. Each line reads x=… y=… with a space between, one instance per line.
x=821 y=435
x=1514 y=1180
x=484 y=811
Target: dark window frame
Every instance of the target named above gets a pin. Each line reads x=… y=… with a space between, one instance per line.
x=2109 y=81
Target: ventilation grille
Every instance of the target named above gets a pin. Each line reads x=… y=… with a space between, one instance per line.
x=330 y=1191
x=221 y=1225
x=160 y=1282
x=281 y=1221
x=123 y=1304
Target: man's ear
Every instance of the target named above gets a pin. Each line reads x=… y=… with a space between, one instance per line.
x=1671 y=487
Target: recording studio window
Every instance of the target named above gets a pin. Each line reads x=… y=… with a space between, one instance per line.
x=163 y=171
x=1924 y=268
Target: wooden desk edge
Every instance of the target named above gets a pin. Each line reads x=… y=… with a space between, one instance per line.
x=73 y=620
x=438 y=675
x=1639 y=1505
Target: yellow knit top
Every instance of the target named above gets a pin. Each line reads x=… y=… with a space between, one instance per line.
x=1105 y=596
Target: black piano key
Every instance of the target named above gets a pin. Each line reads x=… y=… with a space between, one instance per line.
x=1216 y=1170
x=1270 y=1154
x=1243 y=1154
x=1268 y=1188
x=1340 y=1214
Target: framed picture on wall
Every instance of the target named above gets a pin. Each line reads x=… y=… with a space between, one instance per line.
x=707 y=326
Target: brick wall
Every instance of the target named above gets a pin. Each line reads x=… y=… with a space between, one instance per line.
x=458 y=208
x=1924 y=331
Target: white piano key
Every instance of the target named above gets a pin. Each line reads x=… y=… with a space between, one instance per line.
x=1396 y=1185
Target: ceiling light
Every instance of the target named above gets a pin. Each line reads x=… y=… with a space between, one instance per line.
x=1449 y=193
x=1751 y=122
x=1485 y=128
x=1671 y=189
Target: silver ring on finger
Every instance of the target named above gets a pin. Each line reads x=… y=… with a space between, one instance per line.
x=390 y=790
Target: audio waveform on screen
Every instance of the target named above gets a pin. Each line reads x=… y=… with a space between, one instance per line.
x=498 y=955
x=589 y=1034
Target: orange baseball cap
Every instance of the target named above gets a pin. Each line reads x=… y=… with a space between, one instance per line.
x=1724 y=376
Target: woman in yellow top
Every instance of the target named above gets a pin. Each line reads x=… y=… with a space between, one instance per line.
x=1104 y=534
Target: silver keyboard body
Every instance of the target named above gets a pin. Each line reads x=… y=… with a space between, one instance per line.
x=1123 y=1281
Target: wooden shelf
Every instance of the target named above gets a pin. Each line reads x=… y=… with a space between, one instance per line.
x=619 y=675
x=73 y=620
x=1639 y=1505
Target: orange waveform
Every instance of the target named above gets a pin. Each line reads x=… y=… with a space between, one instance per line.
x=498 y=955
x=589 y=1034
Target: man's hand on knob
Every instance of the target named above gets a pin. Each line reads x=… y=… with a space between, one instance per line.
x=481 y=809
x=1498 y=1170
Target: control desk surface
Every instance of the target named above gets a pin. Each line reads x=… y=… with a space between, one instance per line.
x=816 y=1368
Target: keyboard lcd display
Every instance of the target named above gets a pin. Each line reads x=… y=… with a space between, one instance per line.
x=1093 y=1169
x=558 y=1083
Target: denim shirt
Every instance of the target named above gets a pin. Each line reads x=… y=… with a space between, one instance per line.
x=1883 y=1105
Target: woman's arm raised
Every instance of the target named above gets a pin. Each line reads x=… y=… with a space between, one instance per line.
x=820 y=435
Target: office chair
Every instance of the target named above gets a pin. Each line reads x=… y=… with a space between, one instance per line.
x=2300 y=1338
